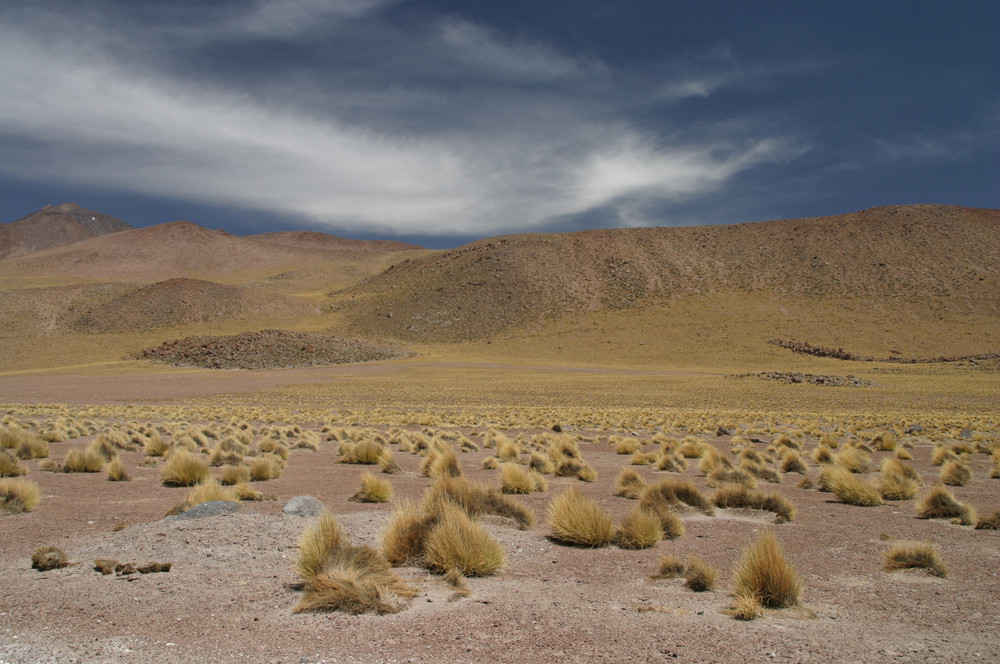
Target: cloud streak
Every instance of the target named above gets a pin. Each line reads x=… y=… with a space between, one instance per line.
x=504 y=135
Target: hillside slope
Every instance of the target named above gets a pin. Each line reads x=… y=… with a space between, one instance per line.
x=55 y=226
x=943 y=258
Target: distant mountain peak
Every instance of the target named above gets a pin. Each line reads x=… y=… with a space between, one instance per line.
x=54 y=226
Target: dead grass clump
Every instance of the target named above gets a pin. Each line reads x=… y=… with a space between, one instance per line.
x=712 y=460
x=342 y=577
x=699 y=576
x=853 y=460
x=939 y=503
x=388 y=462
x=117 y=472
x=675 y=491
x=541 y=463
x=491 y=463
x=991 y=522
x=791 y=462
x=822 y=455
x=404 y=534
x=765 y=575
x=942 y=455
x=366 y=452
x=692 y=447
x=9 y=466
x=234 y=475
x=477 y=500
x=578 y=520
x=671 y=463
x=457 y=542
x=829 y=440
x=669 y=567
x=373 y=490
x=206 y=491
x=48 y=557
x=18 y=494
x=155 y=446
x=903 y=455
x=787 y=442
x=898 y=481
x=264 y=468
x=729 y=497
x=915 y=556
x=182 y=468
x=747 y=607
x=639 y=529
x=852 y=489
x=629 y=484
x=643 y=458
x=625 y=445
x=83 y=461
x=884 y=441
x=738 y=476
x=105 y=566
x=520 y=480
x=955 y=473
x=576 y=467
x=33 y=447
x=441 y=463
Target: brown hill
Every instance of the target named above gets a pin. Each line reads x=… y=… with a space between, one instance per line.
x=54 y=226
x=178 y=302
x=317 y=240
x=929 y=256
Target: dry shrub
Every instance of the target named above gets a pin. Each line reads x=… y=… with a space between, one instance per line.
x=699 y=576
x=234 y=475
x=711 y=460
x=518 y=479
x=898 y=481
x=915 y=556
x=575 y=467
x=155 y=446
x=747 y=607
x=939 y=503
x=764 y=574
x=903 y=455
x=853 y=460
x=404 y=534
x=48 y=557
x=829 y=440
x=739 y=476
x=105 y=566
x=491 y=463
x=541 y=463
x=83 y=461
x=669 y=567
x=33 y=447
x=457 y=542
x=373 y=490
x=453 y=579
x=884 y=441
x=206 y=491
x=791 y=462
x=851 y=489
x=441 y=463
x=117 y=472
x=738 y=497
x=991 y=522
x=367 y=452
x=18 y=494
x=692 y=447
x=643 y=458
x=576 y=519
x=785 y=441
x=243 y=491
x=477 y=500
x=671 y=463
x=822 y=455
x=264 y=468
x=639 y=529
x=942 y=455
x=387 y=461
x=955 y=473
x=10 y=466
x=625 y=445
x=674 y=491
x=629 y=484
x=342 y=577
x=182 y=468
x=507 y=450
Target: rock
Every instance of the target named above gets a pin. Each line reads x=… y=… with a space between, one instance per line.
x=723 y=431
x=211 y=508
x=306 y=506
x=914 y=428
x=965 y=434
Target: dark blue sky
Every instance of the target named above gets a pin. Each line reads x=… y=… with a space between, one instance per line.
x=441 y=122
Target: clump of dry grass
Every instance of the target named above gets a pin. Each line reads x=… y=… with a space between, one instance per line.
x=674 y=491
x=939 y=503
x=942 y=454
x=83 y=461
x=541 y=463
x=404 y=534
x=387 y=461
x=822 y=455
x=264 y=468
x=898 y=481
x=955 y=473
x=884 y=441
x=373 y=490
x=792 y=462
x=671 y=463
x=712 y=460
x=692 y=447
x=18 y=494
x=206 y=491
x=182 y=468
x=578 y=520
x=234 y=475
x=639 y=529
x=117 y=472
x=728 y=497
x=477 y=500
x=10 y=466
x=342 y=577
x=764 y=574
x=852 y=489
x=155 y=446
x=441 y=462
x=699 y=576
x=33 y=447
x=747 y=607
x=575 y=467
x=457 y=542
x=48 y=557
x=728 y=475
x=853 y=460
x=991 y=522
x=915 y=556
x=669 y=567
x=366 y=452
x=625 y=445
x=629 y=484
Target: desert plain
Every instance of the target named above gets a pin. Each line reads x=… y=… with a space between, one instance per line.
x=719 y=385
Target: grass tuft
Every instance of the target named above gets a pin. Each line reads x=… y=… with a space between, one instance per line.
x=373 y=490
x=915 y=556
x=669 y=567
x=639 y=529
x=48 y=557
x=629 y=484
x=117 y=472
x=457 y=542
x=747 y=607
x=183 y=468
x=939 y=503
x=898 y=481
x=852 y=489
x=699 y=576
x=764 y=574
x=991 y=522
x=955 y=473
x=576 y=519
x=728 y=497
x=18 y=494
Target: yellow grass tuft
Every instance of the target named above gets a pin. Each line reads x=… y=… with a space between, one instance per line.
x=639 y=529
x=117 y=472
x=457 y=542
x=18 y=494
x=48 y=557
x=669 y=567
x=792 y=462
x=264 y=468
x=629 y=484
x=183 y=468
x=939 y=503
x=404 y=534
x=747 y=607
x=728 y=497
x=83 y=461
x=9 y=466
x=234 y=475
x=373 y=490
x=991 y=522
x=853 y=460
x=898 y=481
x=206 y=491
x=520 y=480
x=477 y=500
x=915 y=556
x=955 y=473
x=576 y=519
x=851 y=489
x=699 y=576
x=764 y=574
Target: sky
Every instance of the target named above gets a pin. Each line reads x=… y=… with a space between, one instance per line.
x=440 y=122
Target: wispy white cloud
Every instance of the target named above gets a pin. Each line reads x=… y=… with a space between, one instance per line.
x=392 y=150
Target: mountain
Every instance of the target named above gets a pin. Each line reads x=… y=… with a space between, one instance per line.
x=316 y=240
x=935 y=258
x=54 y=226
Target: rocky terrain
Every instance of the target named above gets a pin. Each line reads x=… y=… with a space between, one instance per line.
x=54 y=226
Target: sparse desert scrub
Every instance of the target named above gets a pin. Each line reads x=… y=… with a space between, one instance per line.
x=625 y=445
x=629 y=484
x=692 y=447
x=578 y=520
x=33 y=447
x=671 y=462
x=206 y=491
x=738 y=497
x=898 y=481
x=639 y=529
x=491 y=463
x=791 y=462
x=942 y=454
x=852 y=489
x=264 y=468
x=520 y=480
x=155 y=446
x=822 y=455
x=884 y=441
x=991 y=522
x=182 y=468
x=939 y=503
x=739 y=476
x=903 y=455
x=441 y=463
x=477 y=500
x=366 y=452
x=12 y=435
x=9 y=466
x=575 y=467
x=764 y=574
x=83 y=461
x=457 y=542
x=641 y=458
x=829 y=440
x=787 y=442
x=674 y=491
x=404 y=534
x=712 y=460
x=853 y=460
x=747 y=607
x=669 y=567
x=699 y=576
x=18 y=494
x=48 y=557
x=234 y=475
x=915 y=556
x=342 y=577
x=373 y=490
x=955 y=473
x=541 y=463
x=387 y=461
x=117 y=472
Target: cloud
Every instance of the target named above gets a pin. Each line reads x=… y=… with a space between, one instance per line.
x=411 y=140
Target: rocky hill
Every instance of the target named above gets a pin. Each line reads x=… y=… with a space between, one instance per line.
x=55 y=226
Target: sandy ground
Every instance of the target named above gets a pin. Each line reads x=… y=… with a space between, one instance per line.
x=227 y=597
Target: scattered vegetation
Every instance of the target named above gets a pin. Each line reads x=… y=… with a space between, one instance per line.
x=48 y=557
x=578 y=520
x=18 y=494
x=373 y=490
x=729 y=497
x=915 y=556
x=639 y=529
x=183 y=468
x=939 y=503
x=699 y=576
x=765 y=575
